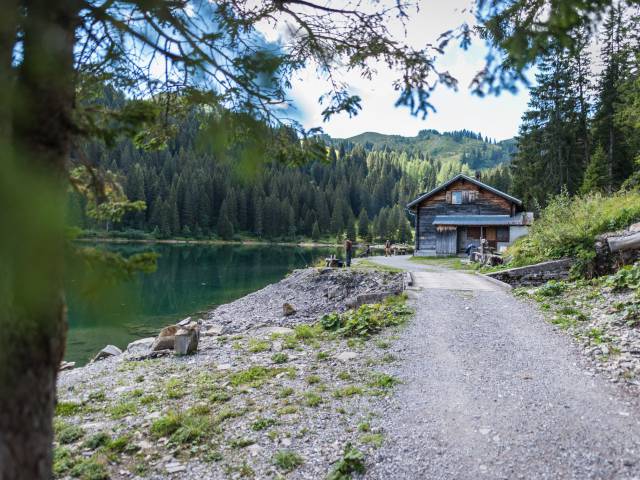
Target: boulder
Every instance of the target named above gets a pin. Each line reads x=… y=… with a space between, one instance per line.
x=288 y=310
x=66 y=365
x=108 y=351
x=346 y=356
x=141 y=346
x=185 y=322
x=186 y=341
x=214 y=330
x=165 y=338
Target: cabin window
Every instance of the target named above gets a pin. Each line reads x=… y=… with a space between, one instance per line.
x=456 y=198
x=502 y=234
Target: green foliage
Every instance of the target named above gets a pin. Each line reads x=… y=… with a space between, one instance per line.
x=368 y=319
x=279 y=357
x=256 y=346
x=287 y=460
x=628 y=277
x=97 y=440
x=262 y=424
x=596 y=176
x=352 y=461
x=183 y=428
x=374 y=439
x=383 y=380
x=254 y=375
x=69 y=434
x=68 y=409
x=568 y=226
x=312 y=399
x=552 y=288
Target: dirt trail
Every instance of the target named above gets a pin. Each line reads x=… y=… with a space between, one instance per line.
x=490 y=390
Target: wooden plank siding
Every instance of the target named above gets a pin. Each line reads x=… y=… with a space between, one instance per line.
x=484 y=203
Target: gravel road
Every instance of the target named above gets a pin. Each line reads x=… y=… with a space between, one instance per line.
x=490 y=390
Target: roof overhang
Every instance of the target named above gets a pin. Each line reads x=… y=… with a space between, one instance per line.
x=523 y=218
x=462 y=176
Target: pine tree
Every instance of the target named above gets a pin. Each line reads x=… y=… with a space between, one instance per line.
x=315 y=232
x=363 y=225
x=596 y=177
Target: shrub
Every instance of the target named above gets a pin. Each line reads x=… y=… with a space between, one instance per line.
x=287 y=460
x=382 y=380
x=254 y=375
x=262 y=424
x=97 y=440
x=69 y=434
x=312 y=399
x=627 y=277
x=279 y=357
x=552 y=288
x=352 y=461
x=367 y=319
x=67 y=409
x=568 y=226
x=257 y=346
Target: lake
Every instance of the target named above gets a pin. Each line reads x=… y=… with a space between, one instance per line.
x=189 y=280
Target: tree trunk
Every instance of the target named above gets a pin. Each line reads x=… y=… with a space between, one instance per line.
x=32 y=307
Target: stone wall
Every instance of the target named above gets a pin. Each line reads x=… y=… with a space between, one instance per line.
x=533 y=275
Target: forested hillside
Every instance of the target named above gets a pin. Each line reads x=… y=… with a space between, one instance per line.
x=582 y=130
x=361 y=188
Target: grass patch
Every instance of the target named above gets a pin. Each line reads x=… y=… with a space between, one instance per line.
x=307 y=332
x=68 y=409
x=241 y=442
x=348 y=391
x=97 y=440
x=253 y=376
x=286 y=460
x=257 y=346
x=123 y=409
x=279 y=358
x=322 y=355
x=455 y=263
x=384 y=381
x=174 y=388
x=66 y=434
x=262 y=424
x=368 y=264
x=312 y=399
x=313 y=379
x=374 y=439
x=183 y=428
x=285 y=392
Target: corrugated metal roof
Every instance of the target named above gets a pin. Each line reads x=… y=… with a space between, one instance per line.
x=524 y=218
x=469 y=179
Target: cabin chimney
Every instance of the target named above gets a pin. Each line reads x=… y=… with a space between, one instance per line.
x=478 y=175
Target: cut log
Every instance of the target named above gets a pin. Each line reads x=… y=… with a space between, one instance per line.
x=627 y=242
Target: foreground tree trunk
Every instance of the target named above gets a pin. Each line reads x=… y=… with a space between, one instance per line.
x=32 y=308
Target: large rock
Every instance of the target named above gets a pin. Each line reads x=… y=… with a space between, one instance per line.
x=186 y=340
x=165 y=338
x=288 y=310
x=141 y=346
x=66 y=365
x=108 y=351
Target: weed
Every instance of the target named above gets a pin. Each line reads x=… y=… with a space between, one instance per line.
x=287 y=460
x=344 y=375
x=241 y=442
x=148 y=399
x=367 y=319
x=67 y=409
x=220 y=396
x=564 y=322
x=140 y=378
x=347 y=391
x=288 y=410
x=382 y=380
x=628 y=277
x=165 y=426
x=382 y=344
x=226 y=414
x=262 y=424
x=388 y=358
x=552 y=288
x=279 y=357
x=174 y=388
x=312 y=399
x=596 y=335
x=352 y=461
x=212 y=456
x=123 y=409
x=322 y=355
x=285 y=392
x=136 y=393
x=364 y=427
x=307 y=332
x=257 y=346
x=69 y=434
x=98 y=396
x=289 y=342
x=254 y=376
x=97 y=440
x=374 y=439
x=122 y=444
x=90 y=469
x=313 y=379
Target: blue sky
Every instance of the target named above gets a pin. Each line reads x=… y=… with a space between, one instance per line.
x=496 y=117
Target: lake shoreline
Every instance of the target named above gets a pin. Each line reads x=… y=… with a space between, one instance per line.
x=172 y=241
x=267 y=393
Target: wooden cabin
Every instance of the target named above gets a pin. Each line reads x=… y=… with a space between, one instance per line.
x=463 y=211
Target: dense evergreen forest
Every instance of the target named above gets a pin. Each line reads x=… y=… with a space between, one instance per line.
x=582 y=130
x=359 y=190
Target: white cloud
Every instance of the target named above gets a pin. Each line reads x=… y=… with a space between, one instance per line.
x=496 y=117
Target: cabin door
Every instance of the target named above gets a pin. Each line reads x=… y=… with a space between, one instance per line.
x=447 y=241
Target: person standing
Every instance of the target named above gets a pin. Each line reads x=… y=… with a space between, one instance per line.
x=348 y=247
x=387 y=248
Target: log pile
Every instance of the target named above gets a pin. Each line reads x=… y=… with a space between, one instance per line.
x=615 y=249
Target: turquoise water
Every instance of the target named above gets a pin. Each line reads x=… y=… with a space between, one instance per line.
x=189 y=279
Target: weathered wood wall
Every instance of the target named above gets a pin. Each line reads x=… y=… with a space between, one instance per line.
x=487 y=203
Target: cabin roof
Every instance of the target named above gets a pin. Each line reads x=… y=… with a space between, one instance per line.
x=462 y=176
x=522 y=218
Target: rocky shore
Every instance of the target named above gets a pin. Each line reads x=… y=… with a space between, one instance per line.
x=272 y=392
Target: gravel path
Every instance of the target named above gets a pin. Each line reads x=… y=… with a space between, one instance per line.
x=490 y=390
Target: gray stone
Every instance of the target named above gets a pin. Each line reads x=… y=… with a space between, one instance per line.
x=66 y=365
x=186 y=341
x=185 y=322
x=277 y=331
x=141 y=346
x=214 y=330
x=288 y=310
x=346 y=356
x=108 y=351
x=165 y=338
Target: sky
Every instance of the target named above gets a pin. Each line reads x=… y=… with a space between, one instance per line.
x=495 y=117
